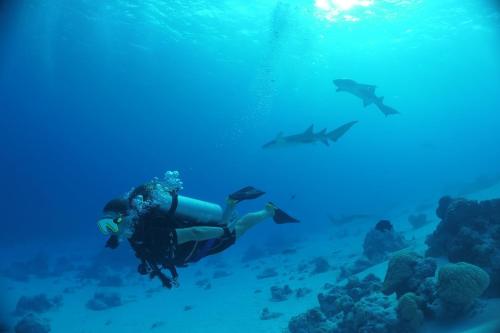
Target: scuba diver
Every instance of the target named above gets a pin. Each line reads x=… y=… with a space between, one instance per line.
x=167 y=230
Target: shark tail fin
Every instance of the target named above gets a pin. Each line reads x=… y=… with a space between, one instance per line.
x=340 y=131
x=324 y=137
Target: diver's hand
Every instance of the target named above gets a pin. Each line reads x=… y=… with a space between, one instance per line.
x=106 y=226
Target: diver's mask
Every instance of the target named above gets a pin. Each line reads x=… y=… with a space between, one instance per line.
x=109 y=225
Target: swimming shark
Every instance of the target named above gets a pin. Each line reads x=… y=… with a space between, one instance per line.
x=308 y=137
x=366 y=92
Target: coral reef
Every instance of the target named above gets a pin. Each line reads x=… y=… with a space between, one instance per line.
x=313 y=321
x=37 y=304
x=372 y=314
x=103 y=301
x=406 y=271
x=469 y=231
x=459 y=285
x=410 y=315
x=32 y=324
x=359 y=306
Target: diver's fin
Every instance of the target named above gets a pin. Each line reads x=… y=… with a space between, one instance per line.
x=246 y=193
x=280 y=217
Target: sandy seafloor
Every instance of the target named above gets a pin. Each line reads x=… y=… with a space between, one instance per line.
x=234 y=303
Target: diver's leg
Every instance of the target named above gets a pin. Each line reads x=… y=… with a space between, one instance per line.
x=228 y=211
x=185 y=235
x=243 y=224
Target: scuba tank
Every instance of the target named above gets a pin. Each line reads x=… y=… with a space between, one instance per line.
x=194 y=210
x=159 y=192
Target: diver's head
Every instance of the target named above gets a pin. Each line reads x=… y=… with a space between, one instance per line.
x=115 y=211
x=115 y=207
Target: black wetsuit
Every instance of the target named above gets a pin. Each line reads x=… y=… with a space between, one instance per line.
x=155 y=243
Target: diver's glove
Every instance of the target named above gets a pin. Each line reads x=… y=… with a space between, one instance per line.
x=106 y=226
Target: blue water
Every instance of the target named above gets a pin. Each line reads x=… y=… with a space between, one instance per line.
x=100 y=96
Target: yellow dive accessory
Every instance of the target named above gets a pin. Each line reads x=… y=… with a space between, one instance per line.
x=107 y=225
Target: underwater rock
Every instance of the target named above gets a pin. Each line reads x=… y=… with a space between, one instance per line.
x=268 y=315
x=302 y=268
x=359 y=265
x=378 y=244
x=321 y=265
x=313 y=321
x=381 y=241
x=204 y=284
x=37 y=304
x=280 y=294
x=267 y=273
x=384 y=226
x=111 y=281
x=410 y=316
x=22 y=271
x=32 y=324
x=406 y=271
x=469 y=231
x=158 y=324
x=103 y=301
x=221 y=274
x=302 y=292
x=418 y=220
x=459 y=285
x=62 y=266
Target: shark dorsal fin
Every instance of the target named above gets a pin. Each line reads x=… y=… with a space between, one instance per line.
x=309 y=130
